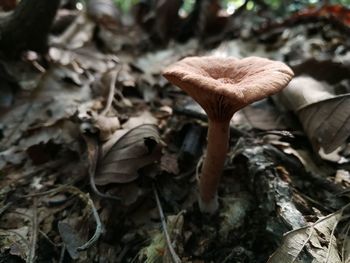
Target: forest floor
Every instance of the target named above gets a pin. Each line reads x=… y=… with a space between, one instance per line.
x=95 y=145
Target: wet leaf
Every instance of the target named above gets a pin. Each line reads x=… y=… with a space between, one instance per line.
x=136 y=149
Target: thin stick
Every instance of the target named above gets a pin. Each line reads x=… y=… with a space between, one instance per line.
x=175 y=258
x=31 y=257
x=114 y=75
x=87 y=199
x=5 y=207
x=97 y=192
x=99 y=228
x=63 y=250
x=92 y=169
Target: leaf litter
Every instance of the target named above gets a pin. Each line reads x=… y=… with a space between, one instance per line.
x=90 y=112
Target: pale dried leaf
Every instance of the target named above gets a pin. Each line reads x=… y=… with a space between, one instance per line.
x=292 y=244
x=327 y=123
x=318 y=239
x=325 y=117
x=325 y=234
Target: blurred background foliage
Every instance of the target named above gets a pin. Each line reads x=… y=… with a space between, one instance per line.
x=280 y=6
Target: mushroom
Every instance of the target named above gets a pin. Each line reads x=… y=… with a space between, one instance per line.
x=222 y=86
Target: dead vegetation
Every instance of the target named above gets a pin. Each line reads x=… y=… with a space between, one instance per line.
x=100 y=155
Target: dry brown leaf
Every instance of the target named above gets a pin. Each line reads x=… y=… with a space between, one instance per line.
x=318 y=239
x=324 y=116
x=327 y=123
x=136 y=149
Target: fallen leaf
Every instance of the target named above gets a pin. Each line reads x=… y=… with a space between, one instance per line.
x=325 y=116
x=327 y=122
x=320 y=236
x=136 y=149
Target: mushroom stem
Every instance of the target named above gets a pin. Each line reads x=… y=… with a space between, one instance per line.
x=218 y=137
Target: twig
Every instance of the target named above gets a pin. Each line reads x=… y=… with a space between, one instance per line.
x=97 y=192
x=5 y=207
x=92 y=170
x=49 y=240
x=31 y=257
x=99 y=228
x=63 y=251
x=114 y=75
x=87 y=199
x=175 y=258
x=48 y=192
x=228 y=257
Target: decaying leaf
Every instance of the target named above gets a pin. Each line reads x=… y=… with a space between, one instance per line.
x=136 y=149
x=318 y=239
x=15 y=241
x=325 y=116
x=327 y=122
x=292 y=244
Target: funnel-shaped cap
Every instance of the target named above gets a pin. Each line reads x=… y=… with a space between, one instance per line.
x=224 y=85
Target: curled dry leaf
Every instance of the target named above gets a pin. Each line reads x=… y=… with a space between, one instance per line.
x=136 y=149
x=325 y=117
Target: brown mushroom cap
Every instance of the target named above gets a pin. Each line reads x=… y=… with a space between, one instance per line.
x=232 y=83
